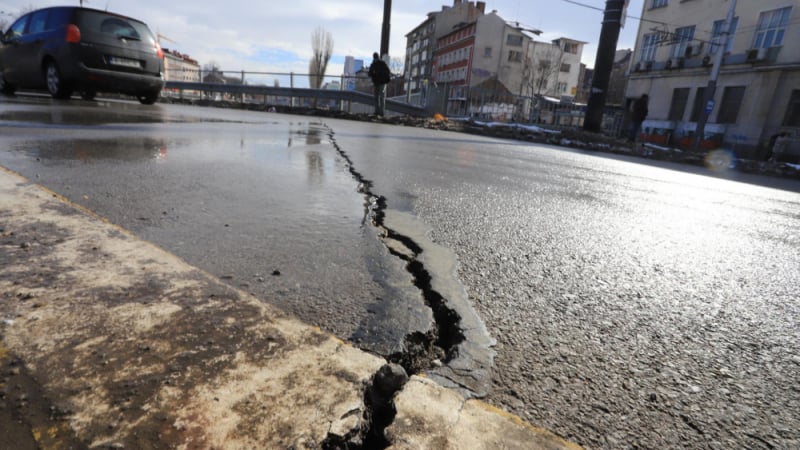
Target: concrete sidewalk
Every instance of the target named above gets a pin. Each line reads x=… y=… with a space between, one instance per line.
x=107 y=341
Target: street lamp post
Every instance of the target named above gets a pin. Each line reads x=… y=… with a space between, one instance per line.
x=708 y=100
x=609 y=35
x=387 y=25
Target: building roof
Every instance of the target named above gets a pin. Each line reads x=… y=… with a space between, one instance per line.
x=526 y=30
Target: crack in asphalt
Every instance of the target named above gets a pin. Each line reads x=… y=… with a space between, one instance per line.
x=456 y=351
x=420 y=350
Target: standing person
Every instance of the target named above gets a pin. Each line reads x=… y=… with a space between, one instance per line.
x=638 y=114
x=380 y=74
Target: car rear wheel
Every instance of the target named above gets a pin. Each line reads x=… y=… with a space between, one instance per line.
x=56 y=85
x=147 y=98
x=89 y=95
x=6 y=87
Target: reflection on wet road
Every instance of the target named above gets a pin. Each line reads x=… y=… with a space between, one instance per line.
x=263 y=201
x=635 y=304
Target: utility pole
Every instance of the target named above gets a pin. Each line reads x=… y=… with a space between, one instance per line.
x=708 y=100
x=604 y=63
x=387 y=25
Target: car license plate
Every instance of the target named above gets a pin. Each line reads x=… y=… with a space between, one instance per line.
x=124 y=62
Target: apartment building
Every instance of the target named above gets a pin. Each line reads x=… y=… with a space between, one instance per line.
x=351 y=67
x=180 y=67
x=467 y=52
x=421 y=41
x=489 y=58
x=758 y=89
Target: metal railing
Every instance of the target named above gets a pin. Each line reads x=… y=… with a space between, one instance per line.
x=351 y=94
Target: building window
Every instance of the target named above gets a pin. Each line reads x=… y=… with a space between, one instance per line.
x=683 y=36
x=658 y=4
x=514 y=39
x=571 y=47
x=731 y=103
x=680 y=97
x=487 y=52
x=716 y=35
x=514 y=56
x=793 y=112
x=772 y=27
x=565 y=67
x=649 y=46
x=562 y=87
x=699 y=104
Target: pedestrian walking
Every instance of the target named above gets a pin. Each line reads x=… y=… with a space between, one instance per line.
x=638 y=114
x=380 y=74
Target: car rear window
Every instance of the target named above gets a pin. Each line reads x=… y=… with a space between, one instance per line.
x=18 y=28
x=116 y=26
x=38 y=22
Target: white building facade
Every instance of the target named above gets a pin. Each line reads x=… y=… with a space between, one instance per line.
x=487 y=66
x=180 y=67
x=758 y=89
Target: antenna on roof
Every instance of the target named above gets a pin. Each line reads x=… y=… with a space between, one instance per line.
x=161 y=36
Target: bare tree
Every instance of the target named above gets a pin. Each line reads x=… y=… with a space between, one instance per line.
x=211 y=73
x=211 y=70
x=541 y=71
x=322 y=47
x=396 y=66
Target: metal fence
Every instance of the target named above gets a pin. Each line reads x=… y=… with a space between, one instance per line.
x=353 y=94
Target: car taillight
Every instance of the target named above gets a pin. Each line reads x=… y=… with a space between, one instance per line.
x=159 y=52
x=73 y=34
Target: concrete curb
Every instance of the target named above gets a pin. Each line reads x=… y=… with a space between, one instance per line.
x=107 y=341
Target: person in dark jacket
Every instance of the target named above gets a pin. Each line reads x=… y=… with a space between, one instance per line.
x=380 y=74
x=638 y=114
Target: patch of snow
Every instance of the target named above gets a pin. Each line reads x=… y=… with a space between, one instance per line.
x=658 y=147
x=536 y=129
x=531 y=128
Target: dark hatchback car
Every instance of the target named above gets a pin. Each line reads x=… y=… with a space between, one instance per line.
x=68 y=49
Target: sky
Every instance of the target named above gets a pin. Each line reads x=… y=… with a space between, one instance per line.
x=275 y=35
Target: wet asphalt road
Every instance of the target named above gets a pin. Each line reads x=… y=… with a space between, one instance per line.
x=634 y=305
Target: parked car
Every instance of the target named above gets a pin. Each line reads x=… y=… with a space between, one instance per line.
x=68 y=49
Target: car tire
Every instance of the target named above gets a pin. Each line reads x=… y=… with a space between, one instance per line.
x=148 y=98
x=6 y=87
x=56 y=85
x=89 y=95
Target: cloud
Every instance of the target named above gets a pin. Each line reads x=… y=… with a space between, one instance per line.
x=276 y=35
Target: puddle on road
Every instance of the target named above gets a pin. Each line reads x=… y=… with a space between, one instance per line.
x=147 y=148
x=81 y=113
x=246 y=203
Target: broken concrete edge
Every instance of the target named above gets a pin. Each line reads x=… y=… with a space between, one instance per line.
x=127 y=345
x=431 y=417
x=469 y=368
x=458 y=337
